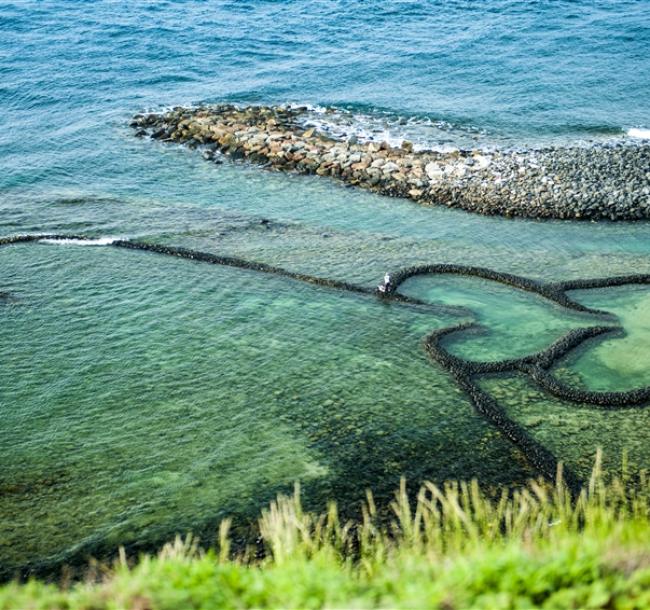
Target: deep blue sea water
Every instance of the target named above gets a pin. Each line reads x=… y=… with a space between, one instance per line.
x=73 y=73
x=141 y=397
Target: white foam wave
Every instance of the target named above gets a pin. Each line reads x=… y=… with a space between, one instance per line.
x=99 y=241
x=423 y=133
x=309 y=107
x=635 y=132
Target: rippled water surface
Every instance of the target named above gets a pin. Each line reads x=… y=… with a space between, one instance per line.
x=155 y=399
x=143 y=395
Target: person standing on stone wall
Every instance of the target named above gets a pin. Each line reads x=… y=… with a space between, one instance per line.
x=386 y=286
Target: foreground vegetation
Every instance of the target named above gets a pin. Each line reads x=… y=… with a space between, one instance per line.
x=454 y=547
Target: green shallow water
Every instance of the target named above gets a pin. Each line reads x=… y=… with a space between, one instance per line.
x=621 y=363
x=573 y=432
x=144 y=395
x=513 y=323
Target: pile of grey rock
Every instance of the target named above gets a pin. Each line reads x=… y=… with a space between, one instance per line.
x=599 y=182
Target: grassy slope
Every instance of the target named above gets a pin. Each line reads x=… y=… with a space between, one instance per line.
x=455 y=549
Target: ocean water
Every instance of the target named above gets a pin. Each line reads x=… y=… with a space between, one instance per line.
x=143 y=396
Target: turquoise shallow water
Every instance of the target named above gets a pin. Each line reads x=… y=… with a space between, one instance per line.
x=143 y=395
x=513 y=323
x=156 y=410
x=619 y=363
x=574 y=431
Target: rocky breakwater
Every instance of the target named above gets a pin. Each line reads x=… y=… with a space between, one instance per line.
x=599 y=182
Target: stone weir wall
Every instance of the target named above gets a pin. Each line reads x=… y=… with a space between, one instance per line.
x=599 y=182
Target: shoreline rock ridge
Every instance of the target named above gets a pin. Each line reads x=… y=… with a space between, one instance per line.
x=600 y=182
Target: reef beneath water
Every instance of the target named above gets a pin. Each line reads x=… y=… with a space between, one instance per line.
x=537 y=366
x=609 y=181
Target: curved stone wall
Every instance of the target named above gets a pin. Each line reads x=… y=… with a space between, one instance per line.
x=550 y=291
x=535 y=366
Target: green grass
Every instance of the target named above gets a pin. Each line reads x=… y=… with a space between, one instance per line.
x=452 y=547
